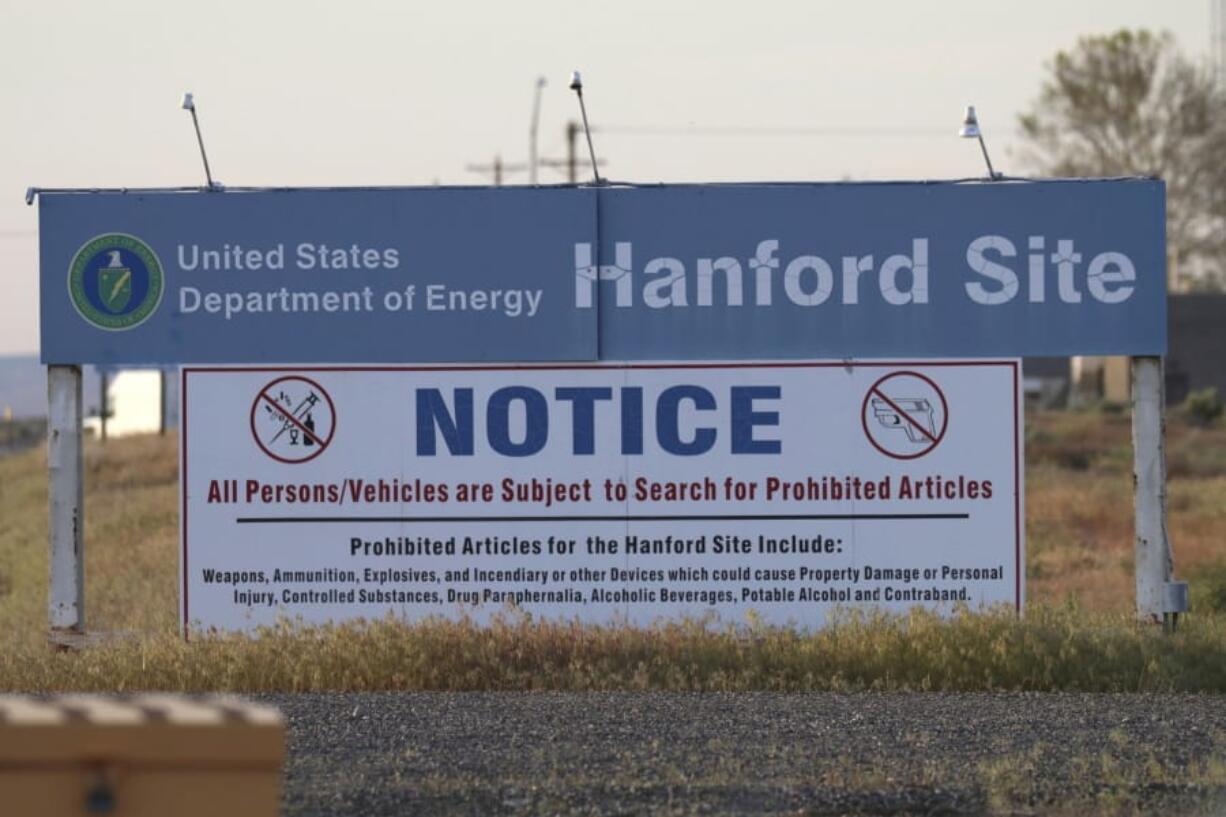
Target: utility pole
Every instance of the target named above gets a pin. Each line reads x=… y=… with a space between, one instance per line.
x=496 y=169
x=571 y=162
x=533 y=158
x=572 y=166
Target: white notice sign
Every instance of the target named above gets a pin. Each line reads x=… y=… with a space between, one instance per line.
x=602 y=493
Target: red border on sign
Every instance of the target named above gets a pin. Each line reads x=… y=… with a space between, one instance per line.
x=323 y=444
x=1012 y=365
x=873 y=389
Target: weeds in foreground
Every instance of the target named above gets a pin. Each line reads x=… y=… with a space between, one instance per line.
x=1050 y=649
x=1102 y=785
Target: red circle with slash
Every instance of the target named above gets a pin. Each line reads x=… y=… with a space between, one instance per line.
x=283 y=419
x=903 y=421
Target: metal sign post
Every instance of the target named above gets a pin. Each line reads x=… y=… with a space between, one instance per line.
x=1158 y=597
x=66 y=599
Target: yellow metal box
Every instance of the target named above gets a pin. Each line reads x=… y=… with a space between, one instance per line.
x=140 y=756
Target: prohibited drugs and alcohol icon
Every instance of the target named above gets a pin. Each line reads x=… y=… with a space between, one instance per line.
x=293 y=419
x=905 y=415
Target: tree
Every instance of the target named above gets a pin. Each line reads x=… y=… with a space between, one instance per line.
x=1130 y=103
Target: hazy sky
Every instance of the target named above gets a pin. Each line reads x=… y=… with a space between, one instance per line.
x=362 y=92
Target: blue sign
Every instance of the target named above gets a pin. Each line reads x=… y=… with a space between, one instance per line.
x=615 y=273
x=366 y=276
x=880 y=270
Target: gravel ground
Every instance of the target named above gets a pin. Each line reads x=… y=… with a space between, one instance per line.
x=666 y=753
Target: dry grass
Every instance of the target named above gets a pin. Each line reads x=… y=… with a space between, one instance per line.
x=1051 y=649
x=1077 y=635
x=131 y=533
x=1079 y=534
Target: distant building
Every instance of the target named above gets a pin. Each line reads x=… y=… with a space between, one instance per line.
x=1197 y=355
x=1045 y=381
x=1195 y=359
x=138 y=401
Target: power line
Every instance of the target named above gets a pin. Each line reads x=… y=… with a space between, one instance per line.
x=854 y=131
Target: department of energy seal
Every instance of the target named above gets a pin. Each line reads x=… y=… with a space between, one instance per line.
x=115 y=281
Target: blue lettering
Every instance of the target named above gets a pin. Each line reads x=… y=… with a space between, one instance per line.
x=632 y=420
x=498 y=421
x=745 y=419
x=749 y=408
x=583 y=415
x=668 y=420
x=457 y=430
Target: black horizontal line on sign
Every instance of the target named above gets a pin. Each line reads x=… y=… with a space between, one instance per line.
x=286 y=520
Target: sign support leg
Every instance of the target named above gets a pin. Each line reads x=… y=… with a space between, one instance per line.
x=162 y=402
x=1159 y=599
x=104 y=408
x=66 y=597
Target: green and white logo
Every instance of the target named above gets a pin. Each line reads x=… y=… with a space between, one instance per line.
x=115 y=281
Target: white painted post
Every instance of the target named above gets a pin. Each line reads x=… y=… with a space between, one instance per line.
x=1159 y=599
x=66 y=599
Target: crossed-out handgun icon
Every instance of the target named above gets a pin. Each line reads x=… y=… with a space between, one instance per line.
x=919 y=415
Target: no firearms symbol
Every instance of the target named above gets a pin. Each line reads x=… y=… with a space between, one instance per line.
x=905 y=415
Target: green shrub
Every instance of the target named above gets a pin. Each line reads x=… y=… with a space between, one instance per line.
x=1203 y=406
x=1208 y=588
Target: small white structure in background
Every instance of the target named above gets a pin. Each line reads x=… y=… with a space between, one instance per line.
x=135 y=402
